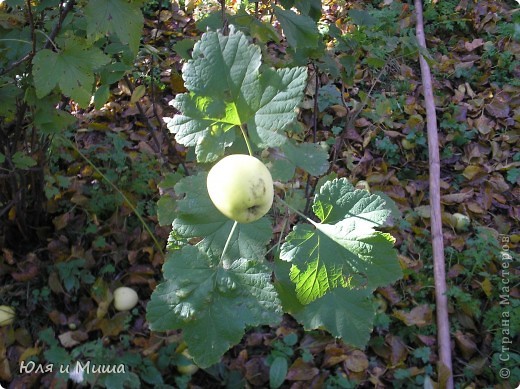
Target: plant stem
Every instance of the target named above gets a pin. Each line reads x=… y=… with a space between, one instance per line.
x=127 y=201
x=228 y=240
x=296 y=211
x=246 y=139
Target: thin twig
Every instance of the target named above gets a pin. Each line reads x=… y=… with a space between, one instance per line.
x=50 y=41
x=125 y=198
x=149 y=125
x=31 y=25
x=16 y=63
x=445 y=370
x=63 y=14
x=308 y=189
x=225 y=22
x=152 y=66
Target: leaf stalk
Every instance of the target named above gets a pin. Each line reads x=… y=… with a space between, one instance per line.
x=296 y=211
x=228 y=240
x=244 y=133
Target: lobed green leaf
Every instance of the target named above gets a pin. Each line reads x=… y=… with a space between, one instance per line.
x=230 y=89
x=344 y=250
x=72 y=69
x=120 y=17
x=200 y=296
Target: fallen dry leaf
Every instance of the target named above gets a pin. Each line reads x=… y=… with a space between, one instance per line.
x=419 y=316
x=466 y=345
x=301 y=371
x=474 y=44
x=70 y=339
x=357 y=361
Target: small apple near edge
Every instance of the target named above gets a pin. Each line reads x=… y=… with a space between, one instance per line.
x=7 y=315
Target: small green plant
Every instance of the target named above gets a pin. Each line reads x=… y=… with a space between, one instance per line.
x=127 y=174
x=93 y=363
x=73 y=274
x=340 y=381
x=458 y=130
x=423 y=354
x=278 y=359
x=40 y=296
x=513 y=175
x=389 y=149
x=442 y=17
x=325 y=269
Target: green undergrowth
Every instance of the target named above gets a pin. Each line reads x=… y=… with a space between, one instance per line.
x=108 y=189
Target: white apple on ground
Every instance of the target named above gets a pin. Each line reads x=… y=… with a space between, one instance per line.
x=7 y=315
x=462 y=222
x=241 y=187
x=125 y=298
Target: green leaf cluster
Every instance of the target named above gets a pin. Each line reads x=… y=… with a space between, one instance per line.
x=325 y=272
x=298 y=21
x=231 y=93
x=96 y=42
x=55 y=57
x=229 y=90
x=204 y=288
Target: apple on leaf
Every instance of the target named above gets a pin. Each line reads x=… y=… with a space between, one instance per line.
x=241 y=187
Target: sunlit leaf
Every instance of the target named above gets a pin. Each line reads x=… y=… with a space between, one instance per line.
x=228 y=90
x=343 y=250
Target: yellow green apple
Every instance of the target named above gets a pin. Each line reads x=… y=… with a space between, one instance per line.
x=241 y=187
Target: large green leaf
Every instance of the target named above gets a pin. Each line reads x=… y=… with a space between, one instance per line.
x=300 y=30
x=204 y=123
x=346 y=314
x=197 y=217
x=211 y=303
x=261 y=31
x=72 y=69
x=49 y=119
x=229 y=88
x=343 y=250
x=339 y=202
x=9 y=95
x=120 y=17
x=280 y=93
x=306 y=7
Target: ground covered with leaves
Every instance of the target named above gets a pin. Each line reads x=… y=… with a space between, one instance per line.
x=364 y=105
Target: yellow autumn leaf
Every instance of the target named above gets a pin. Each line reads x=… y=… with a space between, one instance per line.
x=138 y=93
x=471 y=171
x=487 y=287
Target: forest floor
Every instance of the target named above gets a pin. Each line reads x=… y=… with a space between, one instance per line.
x=94 y=241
